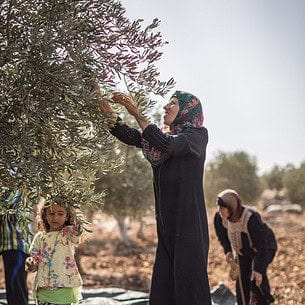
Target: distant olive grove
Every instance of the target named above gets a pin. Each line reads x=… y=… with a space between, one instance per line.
x=238 y=170
x=289 y=178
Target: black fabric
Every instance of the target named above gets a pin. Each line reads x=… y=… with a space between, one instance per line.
x=245 y=287
x=255 y=258
x=260 y=295
x=156 y=138
x=263 y=240
x=180 y=269
x=222 y=234
x=130 y=136
x=15 y=277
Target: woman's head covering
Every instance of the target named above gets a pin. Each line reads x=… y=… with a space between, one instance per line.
x=230 y=199
x=190 y=112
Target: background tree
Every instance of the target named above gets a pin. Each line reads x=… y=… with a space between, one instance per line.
x=129 y=192
x=52 y=53
x=294 y=184
x=129 y=188
x=236 y=170
x=274 y=178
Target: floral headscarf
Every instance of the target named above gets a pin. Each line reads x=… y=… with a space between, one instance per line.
x=190 y=112
x=190 y=115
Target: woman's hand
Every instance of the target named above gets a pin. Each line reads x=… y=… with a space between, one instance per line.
x=229 y=257
x=257 y=277
x=104 y=106
x=120 y=98
x=108 y=112
x=126 y=101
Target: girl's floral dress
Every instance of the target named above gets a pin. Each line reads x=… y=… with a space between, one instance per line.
x=53 y=252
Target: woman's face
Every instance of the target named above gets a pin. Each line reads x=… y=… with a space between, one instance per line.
x=171 y=111
x=224 y=212
x=56 y=217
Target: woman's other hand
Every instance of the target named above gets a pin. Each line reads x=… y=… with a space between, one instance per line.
x=104 y=106
x=257 y=277
x=229 y=257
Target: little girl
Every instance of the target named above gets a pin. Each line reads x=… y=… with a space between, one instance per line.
x=52 y=255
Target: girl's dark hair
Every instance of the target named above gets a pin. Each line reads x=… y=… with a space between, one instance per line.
x=42 y=217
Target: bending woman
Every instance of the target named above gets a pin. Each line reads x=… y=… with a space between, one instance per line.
x=177 y=159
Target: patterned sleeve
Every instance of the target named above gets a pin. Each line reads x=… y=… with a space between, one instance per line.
x=126 y=134
x=222 y=233
x=156 y=138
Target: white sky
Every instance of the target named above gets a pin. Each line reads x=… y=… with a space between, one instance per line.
x=245 y=60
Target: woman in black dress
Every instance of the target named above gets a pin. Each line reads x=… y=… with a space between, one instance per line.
x=249 y=244
x=177 y=159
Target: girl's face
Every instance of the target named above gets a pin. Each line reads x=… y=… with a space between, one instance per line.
x=224 y=212
x=171 y=111
x=56 y=217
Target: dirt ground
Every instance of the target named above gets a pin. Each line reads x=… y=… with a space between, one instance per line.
x=106 y=262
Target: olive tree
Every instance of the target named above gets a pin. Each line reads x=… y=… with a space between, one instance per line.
x=129 y=192
x=235 y=170
x=53 y=53
x=274 y=178
x=294 y=184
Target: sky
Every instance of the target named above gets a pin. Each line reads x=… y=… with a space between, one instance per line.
x=245 y=61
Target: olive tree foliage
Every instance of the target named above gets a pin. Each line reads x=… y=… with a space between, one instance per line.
x=235 y=170
x=294 y=184
x=274 y=178
x=129 y=191
x=52 y=55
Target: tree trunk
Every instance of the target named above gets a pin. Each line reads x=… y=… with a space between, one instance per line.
x=140 y=233
x=77 y=260
x=123 y=229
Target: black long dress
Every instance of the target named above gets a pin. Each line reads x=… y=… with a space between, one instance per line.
x=180 y=269
x=258 y=248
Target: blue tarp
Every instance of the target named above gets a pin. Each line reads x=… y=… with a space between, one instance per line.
x=221 y=295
